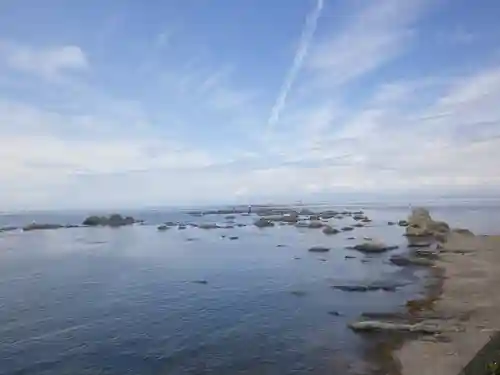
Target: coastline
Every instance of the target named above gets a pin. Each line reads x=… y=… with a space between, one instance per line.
x=464 y=302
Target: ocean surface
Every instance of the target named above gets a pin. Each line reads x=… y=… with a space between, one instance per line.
x=125 y=300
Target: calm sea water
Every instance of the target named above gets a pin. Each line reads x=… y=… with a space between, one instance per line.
x=122 y=301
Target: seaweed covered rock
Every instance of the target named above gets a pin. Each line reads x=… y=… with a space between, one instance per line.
x=263 y=223
x=113 y=220
x=328 y=230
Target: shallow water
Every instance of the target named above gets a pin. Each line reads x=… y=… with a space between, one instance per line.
x=123 y=301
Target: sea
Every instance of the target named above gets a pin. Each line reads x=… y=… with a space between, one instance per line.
x=135 y=300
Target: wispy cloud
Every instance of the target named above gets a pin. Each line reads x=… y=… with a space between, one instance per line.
x=373 y=37
x=48 y=62
x=298 y=60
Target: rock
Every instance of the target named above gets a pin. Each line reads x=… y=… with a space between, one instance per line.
x=232 y=238
x=170 y=224
x=328 y=214
x=230 y=217
x=421 y=224
x=416 y=241
x=203 y=282
x=402 y=261
x=208 y=226
x=349 y=257
x=306 y=212
x=181 y=227
x=195 y=213
x=298 y=293
x=351 y=238
x=366 y=220
x=374 y=247
x=328 y=230
x=163 y=228
x=427 y=253
x=263 y=223
x=358 y=217
x=463 y=231
x=41 y=227
x=241 y=225
x=114 y=220
x=319 y=249
x=373 y=325
x=358 y=225
x=347 y=229
x=402 y=223
x=365 y=288
x=391 y=223
x=8 y=229
x=334 y=313
x=314 y=217
x=315 y=224
x=280 y=245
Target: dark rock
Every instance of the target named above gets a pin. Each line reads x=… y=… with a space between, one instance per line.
x=314 y=217
x=195 y=213
x=41 y=227
x=402 y=223
x=208 y=226
x=365 y=288
x=280 y=245
x=366 y=220
x=374 y=247
x=306 y=212
x=232 y=238
x=241 y=225
x=351 y=238
x=347 y=229
x=349 y=257
x=358 y=225
x=263 y=223
x=334 y=313
x=8 y=229
x=359 y=217
x=69 y=226
x=230 y=217
x=328 y=214
x=373 y=326
x=163 y=228
x=181 y=227
x=402 y=261
x=319 y=249
x=328 y=230
x=203 y=282
x=417 y=241
x=114 y=220
x=298 y=293
x=391 y=223
x=296 y=258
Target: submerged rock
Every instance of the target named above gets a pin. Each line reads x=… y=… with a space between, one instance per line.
x=263 y=223
x=163 y=227
x=374 y=247
x=42 y=227
x=203 y=282
x=391 y=223
x=373 y=325
x=208 y=226
x=314 y=224
x=402 y=261
x=328 y=230
x=319 y=249
x=347 y=229
x=298 y=293
x=328 y=214
x=232 y=238
x=365 y=288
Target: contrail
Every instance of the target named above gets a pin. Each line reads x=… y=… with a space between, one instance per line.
x=298 y=60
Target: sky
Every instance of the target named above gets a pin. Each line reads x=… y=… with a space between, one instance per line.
x=185 y=102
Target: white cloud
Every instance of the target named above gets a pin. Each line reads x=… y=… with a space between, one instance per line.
x=49 y=62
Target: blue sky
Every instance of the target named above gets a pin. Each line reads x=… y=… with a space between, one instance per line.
x=183 y=102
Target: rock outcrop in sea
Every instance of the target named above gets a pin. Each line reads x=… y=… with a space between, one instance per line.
x=113 y=220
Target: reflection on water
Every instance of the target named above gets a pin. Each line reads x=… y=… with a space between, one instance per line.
x=123 y=301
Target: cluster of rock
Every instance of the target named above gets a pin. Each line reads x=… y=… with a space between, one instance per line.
x=113 y=220
x=423 y=231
